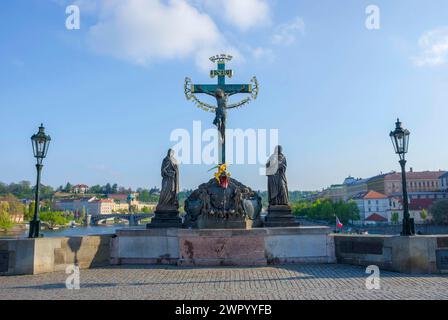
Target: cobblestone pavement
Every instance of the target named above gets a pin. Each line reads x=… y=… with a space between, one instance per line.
x=260 y=283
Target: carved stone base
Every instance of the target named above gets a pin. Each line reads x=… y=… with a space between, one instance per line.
x=280 y=216
x=207 y=222
x=165 y=219
x=212 y=206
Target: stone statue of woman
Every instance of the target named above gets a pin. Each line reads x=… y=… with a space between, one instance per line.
x=277 y=183
x=170 y=183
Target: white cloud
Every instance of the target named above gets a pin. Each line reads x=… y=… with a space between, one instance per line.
x=244 y=14
x=145 y=31
x=286 y=34
x=434 y=48
x=260 y=53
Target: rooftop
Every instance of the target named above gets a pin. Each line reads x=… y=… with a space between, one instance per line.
x=376 y=218
x=374 y=195
x=370 y=195
x=429 y=175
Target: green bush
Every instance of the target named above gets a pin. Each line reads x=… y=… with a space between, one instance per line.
x=5 y=220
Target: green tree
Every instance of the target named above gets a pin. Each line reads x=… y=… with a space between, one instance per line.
x=5 y=219
x=147 y=210
x=68 y=187
x=424 y=214
x=395 y=217
x=96 y=189
x=300 y=208
x=326 y=210
x=107 y=189
x=55 y=218
x=82 y=215
x=30 y=212
x=439 y=211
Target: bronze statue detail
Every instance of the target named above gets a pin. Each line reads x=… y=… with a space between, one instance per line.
x=277 y=183
x=170 y=183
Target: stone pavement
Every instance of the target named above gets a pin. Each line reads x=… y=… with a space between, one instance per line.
x=258 y=283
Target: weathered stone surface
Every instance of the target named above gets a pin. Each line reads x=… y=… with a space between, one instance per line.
x=156 y=247
x=237 y=250
x=280 y=216
x=165 y=219
x=442 y=242
x=293 y=246
x=224 y=246
x=442 y=259
x=415 y=254
x=44 y=255
x=4 y=261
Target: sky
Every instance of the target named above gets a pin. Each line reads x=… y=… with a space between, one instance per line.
x=111 y=92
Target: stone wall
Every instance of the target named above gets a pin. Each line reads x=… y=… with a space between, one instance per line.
x=35 y=256
x=417 y=254
x=223 y=246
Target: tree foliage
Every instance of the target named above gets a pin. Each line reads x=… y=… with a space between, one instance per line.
x=5 y=219
x=24 y=190
x=424 y=214
x=395 y=217
x=53 y=218
x=439 y=211
x=327 y=210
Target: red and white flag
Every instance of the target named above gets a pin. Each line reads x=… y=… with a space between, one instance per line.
x=339 y=225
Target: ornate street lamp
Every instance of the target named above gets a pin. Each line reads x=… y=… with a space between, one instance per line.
x=400 y=140
x=40 y=142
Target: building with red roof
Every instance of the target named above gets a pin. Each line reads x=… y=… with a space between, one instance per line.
x=375 y=206
x=80 y=189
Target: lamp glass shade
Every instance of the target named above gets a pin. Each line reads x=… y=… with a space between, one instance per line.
x=400 y=139
x=40 y=142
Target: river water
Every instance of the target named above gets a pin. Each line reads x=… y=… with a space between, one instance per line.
x=70 y=232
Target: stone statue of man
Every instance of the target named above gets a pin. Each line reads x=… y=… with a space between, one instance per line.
x=170 y=183
x=277 y=184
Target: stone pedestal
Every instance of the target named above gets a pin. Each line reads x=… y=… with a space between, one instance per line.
x=280 y=216
x=210 y=222
x=223 y=247
x=165 y=219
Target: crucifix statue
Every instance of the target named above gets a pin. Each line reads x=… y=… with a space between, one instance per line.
x=221 y=91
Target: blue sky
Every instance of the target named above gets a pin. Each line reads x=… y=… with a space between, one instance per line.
x=111 y=93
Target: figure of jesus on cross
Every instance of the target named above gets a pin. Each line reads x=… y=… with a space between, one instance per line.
x=221 y=92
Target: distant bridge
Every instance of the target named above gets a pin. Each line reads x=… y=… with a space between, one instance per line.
x=133 y=218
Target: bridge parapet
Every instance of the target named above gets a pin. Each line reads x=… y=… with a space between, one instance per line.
x=133 y=218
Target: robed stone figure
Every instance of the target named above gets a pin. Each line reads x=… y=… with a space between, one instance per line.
x=170 y=183
x=277 y=184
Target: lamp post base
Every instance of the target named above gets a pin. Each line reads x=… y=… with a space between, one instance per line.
x=408 y=227
x=34 y=229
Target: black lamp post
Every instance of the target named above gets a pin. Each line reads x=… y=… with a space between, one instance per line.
x=400 y=140
x=40 y=142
